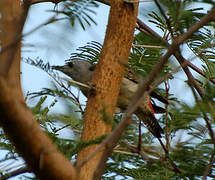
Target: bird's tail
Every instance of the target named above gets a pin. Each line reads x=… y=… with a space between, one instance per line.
x=150 y=121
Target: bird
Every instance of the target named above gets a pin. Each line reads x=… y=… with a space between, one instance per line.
x=82 y=71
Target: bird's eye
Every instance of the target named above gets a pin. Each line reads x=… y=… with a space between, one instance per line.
x=70 y=64
x=92 y=68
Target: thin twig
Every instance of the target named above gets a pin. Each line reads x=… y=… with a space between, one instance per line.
x=61 y=128
x=148 y=46
x=16 y=173
x=134 y=149
x=20 y=36
x=75 y=82
x=191 y=79
x=199 y=71
x=211 y=132
x=42 y=1
x=149 y=159
x=140 y=136
x=165 y=17
x=166 y=116
x=208 y=167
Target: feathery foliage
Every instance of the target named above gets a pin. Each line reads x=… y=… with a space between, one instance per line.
x=81 y=11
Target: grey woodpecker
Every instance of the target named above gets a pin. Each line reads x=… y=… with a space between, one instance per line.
x=82 y=71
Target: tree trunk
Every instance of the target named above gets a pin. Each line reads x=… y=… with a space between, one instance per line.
x=107 y=79
x=18 y=123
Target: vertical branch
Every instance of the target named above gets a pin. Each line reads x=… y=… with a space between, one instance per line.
x=17 y=121
x=107 y=79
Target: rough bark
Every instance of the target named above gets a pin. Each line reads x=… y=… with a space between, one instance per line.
x=107 y=78
x=17 y=120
